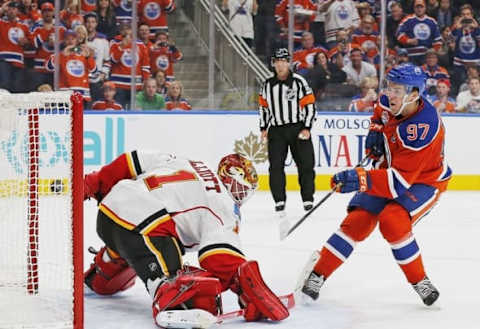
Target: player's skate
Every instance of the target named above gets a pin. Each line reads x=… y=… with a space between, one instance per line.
x=309 y=283
x=313 y=284
x=427 y=292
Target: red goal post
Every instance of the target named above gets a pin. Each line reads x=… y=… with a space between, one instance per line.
x=41 y=210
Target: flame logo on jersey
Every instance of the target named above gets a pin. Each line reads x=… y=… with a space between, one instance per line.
x=152 y=10
x=75 y=68
x=162 y=62
x=15 y=34
x=342 y=13
x=422 y=31
x=467 y=44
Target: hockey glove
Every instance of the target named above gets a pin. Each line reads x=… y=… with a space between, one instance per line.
x=351 y=180
x=91 y=186
x=374 y=144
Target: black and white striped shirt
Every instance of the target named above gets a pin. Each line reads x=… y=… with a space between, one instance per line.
x=286 y=101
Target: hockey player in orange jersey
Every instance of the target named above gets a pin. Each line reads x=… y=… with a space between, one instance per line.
x=407 y=139
x=152 y=208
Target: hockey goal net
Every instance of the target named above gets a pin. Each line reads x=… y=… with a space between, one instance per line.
x=41 y=210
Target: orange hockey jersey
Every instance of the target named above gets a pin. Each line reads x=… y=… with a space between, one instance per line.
x=10 y=49
x=414 y=151
x=121 y=59
x=74 y=70
x=70 y=20
x=43 y=52
x=304 y=58
x=301 y=22
x=162 y=59
x=154 y=13
x=103 y=105
x=87 y=6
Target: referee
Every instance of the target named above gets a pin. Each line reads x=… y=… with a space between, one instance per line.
x=287 y=112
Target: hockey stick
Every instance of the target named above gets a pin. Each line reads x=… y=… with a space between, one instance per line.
x=284 y=232
x=197 y=318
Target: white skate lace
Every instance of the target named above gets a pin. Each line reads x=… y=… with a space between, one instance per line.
x=424 y=288
x=314 y=282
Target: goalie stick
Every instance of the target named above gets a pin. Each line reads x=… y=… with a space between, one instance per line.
x=284 y=226
x=197 y=318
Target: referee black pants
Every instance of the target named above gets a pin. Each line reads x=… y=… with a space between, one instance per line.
x=279 y=140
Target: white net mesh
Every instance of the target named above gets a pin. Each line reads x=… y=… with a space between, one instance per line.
x=36 y=263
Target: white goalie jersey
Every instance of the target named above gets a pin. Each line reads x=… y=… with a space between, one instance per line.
x=165 y=188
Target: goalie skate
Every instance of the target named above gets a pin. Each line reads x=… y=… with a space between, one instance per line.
x=186 y=319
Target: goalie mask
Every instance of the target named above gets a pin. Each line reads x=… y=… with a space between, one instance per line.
x=239 y=177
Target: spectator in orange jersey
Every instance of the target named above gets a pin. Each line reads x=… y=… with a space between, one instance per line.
x=304 y=13
x=70 y=15
x=29 y=13
x=144 y=35
x=174 y=99
x=154 y=14
x=303 y=57
x=365 y=101
x=441 y=100
x=433 y=71
x=340 y=54
x=87 y=6
x=44 y=44
x=365 y=10
x=163 y=54
x=14 y=37
x=366 y=37
x=122 y=62
x=108 y=101
x=75 y=63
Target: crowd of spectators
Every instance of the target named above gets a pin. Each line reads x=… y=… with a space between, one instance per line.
x=95 y=40
x=337 y=46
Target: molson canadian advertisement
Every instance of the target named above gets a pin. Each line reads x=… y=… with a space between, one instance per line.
x=338 y=140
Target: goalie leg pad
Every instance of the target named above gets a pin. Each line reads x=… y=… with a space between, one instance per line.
x=195 y=289
x=108 y=275
x=255 y=295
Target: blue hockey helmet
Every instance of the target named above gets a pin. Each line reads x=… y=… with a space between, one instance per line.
x=410 y=76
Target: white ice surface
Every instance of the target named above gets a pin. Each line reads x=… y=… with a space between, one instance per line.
x=368 y=292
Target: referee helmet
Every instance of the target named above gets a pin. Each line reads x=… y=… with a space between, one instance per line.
x=281 y=53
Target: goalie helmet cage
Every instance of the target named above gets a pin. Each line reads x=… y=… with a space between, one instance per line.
x=41 y=210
